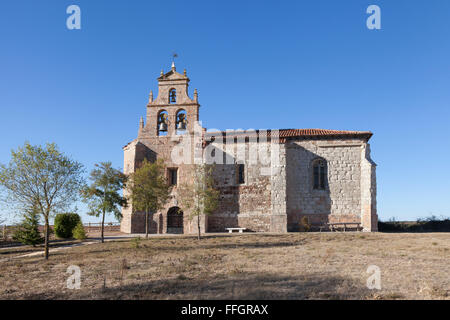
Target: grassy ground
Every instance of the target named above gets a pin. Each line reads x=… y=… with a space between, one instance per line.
x=249 y=266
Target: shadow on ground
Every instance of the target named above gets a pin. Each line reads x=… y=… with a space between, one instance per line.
x=249 y=286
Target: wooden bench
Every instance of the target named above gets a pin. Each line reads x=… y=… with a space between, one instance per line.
x=230 y=230
x=344 y=225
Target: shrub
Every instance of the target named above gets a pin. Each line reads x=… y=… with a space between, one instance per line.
x=65 y=223
x=78 y=232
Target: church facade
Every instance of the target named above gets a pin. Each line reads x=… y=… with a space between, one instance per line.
x=268 y=179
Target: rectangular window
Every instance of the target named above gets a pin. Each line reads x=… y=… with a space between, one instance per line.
x=241 y=173
x=173 y=176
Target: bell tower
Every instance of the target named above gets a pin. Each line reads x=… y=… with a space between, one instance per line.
x=173 y=112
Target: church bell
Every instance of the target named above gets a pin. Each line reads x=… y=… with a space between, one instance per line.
x=181 y=126
x=163 y=127
x=173 y=96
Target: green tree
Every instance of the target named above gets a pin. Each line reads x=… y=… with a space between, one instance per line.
x=199 y=193
x=42 y=176
x=148 y=189
x=28 y=231
x=102 y=196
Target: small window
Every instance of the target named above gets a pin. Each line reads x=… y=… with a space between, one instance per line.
x=172 y=96
x=319 y=174
x=173 y=176
x=241 y=174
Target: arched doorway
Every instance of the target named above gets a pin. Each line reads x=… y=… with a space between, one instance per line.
x=175 y=220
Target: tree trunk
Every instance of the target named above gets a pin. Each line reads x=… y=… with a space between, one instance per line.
x=103 y=226
x=146 y=224
x=47 y=236
x=198 y=225
x=103 y=211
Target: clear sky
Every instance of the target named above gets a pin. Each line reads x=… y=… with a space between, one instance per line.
x=256 y=64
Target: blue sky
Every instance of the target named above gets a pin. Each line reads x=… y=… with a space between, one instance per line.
x=256 y=64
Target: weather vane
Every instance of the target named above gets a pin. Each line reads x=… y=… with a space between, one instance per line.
x=174 y=55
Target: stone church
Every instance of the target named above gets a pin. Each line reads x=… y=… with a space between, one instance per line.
x=268 y=179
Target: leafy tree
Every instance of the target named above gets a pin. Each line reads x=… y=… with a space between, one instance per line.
x=148 y=188
x=200 y=194
x=102 y=196
x=79 y=233
x=28 y=231
x=42 y=176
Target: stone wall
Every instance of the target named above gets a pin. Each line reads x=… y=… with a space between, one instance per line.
x=341 y=199
x=129 y=156
x=275 y=196
x=368 y=191
x=259 y=203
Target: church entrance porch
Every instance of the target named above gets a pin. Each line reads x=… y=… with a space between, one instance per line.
x=175 y=221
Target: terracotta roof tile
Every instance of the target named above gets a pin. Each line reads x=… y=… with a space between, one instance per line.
x=294 y=133
x=319 y=132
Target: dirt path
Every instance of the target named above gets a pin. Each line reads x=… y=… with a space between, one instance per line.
x=37 y=253
x=92 y=240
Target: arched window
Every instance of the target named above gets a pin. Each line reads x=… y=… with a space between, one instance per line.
x=181 y=122
x=163 y=124
x=172 y=96
x=319 y=167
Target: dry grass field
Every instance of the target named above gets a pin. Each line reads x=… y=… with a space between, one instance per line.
x=249 y=266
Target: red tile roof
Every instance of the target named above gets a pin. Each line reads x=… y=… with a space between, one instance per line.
x=287 y=133
x=284 y=134
x=317 y=132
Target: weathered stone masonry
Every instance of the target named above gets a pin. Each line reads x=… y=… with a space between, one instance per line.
x=274 y=195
